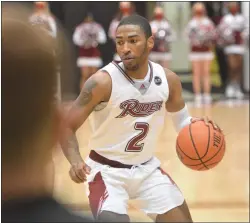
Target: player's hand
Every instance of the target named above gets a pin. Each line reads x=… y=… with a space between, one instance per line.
x=207 y=121
x=78 y=172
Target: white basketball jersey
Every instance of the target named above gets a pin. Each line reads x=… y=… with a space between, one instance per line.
x=127 y=129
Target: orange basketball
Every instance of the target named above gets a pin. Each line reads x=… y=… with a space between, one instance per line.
x=200 y=147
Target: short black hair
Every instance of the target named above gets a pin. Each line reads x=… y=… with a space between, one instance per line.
x=139 y=21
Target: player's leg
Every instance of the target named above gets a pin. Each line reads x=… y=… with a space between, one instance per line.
x=178 y=214
x=206 y=80
x=161 y=199
x=196 y=66
x=107 y=196
x=108 y=216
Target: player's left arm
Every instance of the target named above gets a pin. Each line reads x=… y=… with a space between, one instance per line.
x=176 y=106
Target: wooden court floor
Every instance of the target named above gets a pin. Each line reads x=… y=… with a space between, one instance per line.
x=217 y=195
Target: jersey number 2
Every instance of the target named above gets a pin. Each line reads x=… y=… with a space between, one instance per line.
x=133 y=145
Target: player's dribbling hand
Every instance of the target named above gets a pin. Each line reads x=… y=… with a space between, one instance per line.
x=78 y=172
x=207 y=121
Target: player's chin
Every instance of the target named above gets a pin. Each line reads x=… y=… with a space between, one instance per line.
x=131 y=66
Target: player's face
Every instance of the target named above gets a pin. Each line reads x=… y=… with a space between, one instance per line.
x=132 y=46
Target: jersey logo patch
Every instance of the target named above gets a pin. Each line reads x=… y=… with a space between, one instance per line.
x=136 y=109
x=142 y=86
x=157 y=80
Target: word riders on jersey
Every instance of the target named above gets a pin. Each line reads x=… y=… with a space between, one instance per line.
x=128 y=127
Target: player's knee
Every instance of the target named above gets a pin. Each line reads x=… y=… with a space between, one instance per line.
x=108 y=216
x=180 y=217
x=178 y=214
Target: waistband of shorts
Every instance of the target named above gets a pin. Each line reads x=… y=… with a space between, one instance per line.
x=105 y=161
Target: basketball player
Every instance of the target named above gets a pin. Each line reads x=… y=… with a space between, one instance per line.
x=126 y=105
x=87 y=36
x=31 y=121
x=164 y=35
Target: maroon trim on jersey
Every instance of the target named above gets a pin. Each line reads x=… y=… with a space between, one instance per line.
x=151 y=72
x=98 y=194
x=123 y=72
x=129 y=78
x=105 y=161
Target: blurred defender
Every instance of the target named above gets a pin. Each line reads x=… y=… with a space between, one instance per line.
x=126 y=103
x=31 y=121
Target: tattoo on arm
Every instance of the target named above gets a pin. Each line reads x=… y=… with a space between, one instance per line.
x=73 y=144
x=71 y=149
x=86 y=94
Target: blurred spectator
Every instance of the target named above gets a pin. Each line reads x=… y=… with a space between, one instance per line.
x=201 y=34
x=164 y=35
x=230 y=32
x=87 y=36
x=125 y=9
x=31 y=121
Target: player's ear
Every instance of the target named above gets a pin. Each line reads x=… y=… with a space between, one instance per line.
x=150 y=42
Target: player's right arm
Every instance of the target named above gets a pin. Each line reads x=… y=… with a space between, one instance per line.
x=96 y=89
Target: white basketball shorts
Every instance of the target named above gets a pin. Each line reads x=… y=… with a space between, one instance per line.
x=109 y=188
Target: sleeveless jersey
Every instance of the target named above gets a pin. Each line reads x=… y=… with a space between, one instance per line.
x=127 y=129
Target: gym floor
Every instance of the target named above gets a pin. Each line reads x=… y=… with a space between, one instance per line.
x=217 y=195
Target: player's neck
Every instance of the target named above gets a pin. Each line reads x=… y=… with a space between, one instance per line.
x=140 y=73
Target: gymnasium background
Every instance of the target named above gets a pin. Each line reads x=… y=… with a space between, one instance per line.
x=70 y=14
x=222 y=194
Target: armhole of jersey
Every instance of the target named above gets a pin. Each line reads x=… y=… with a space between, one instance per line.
x=165 y=75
